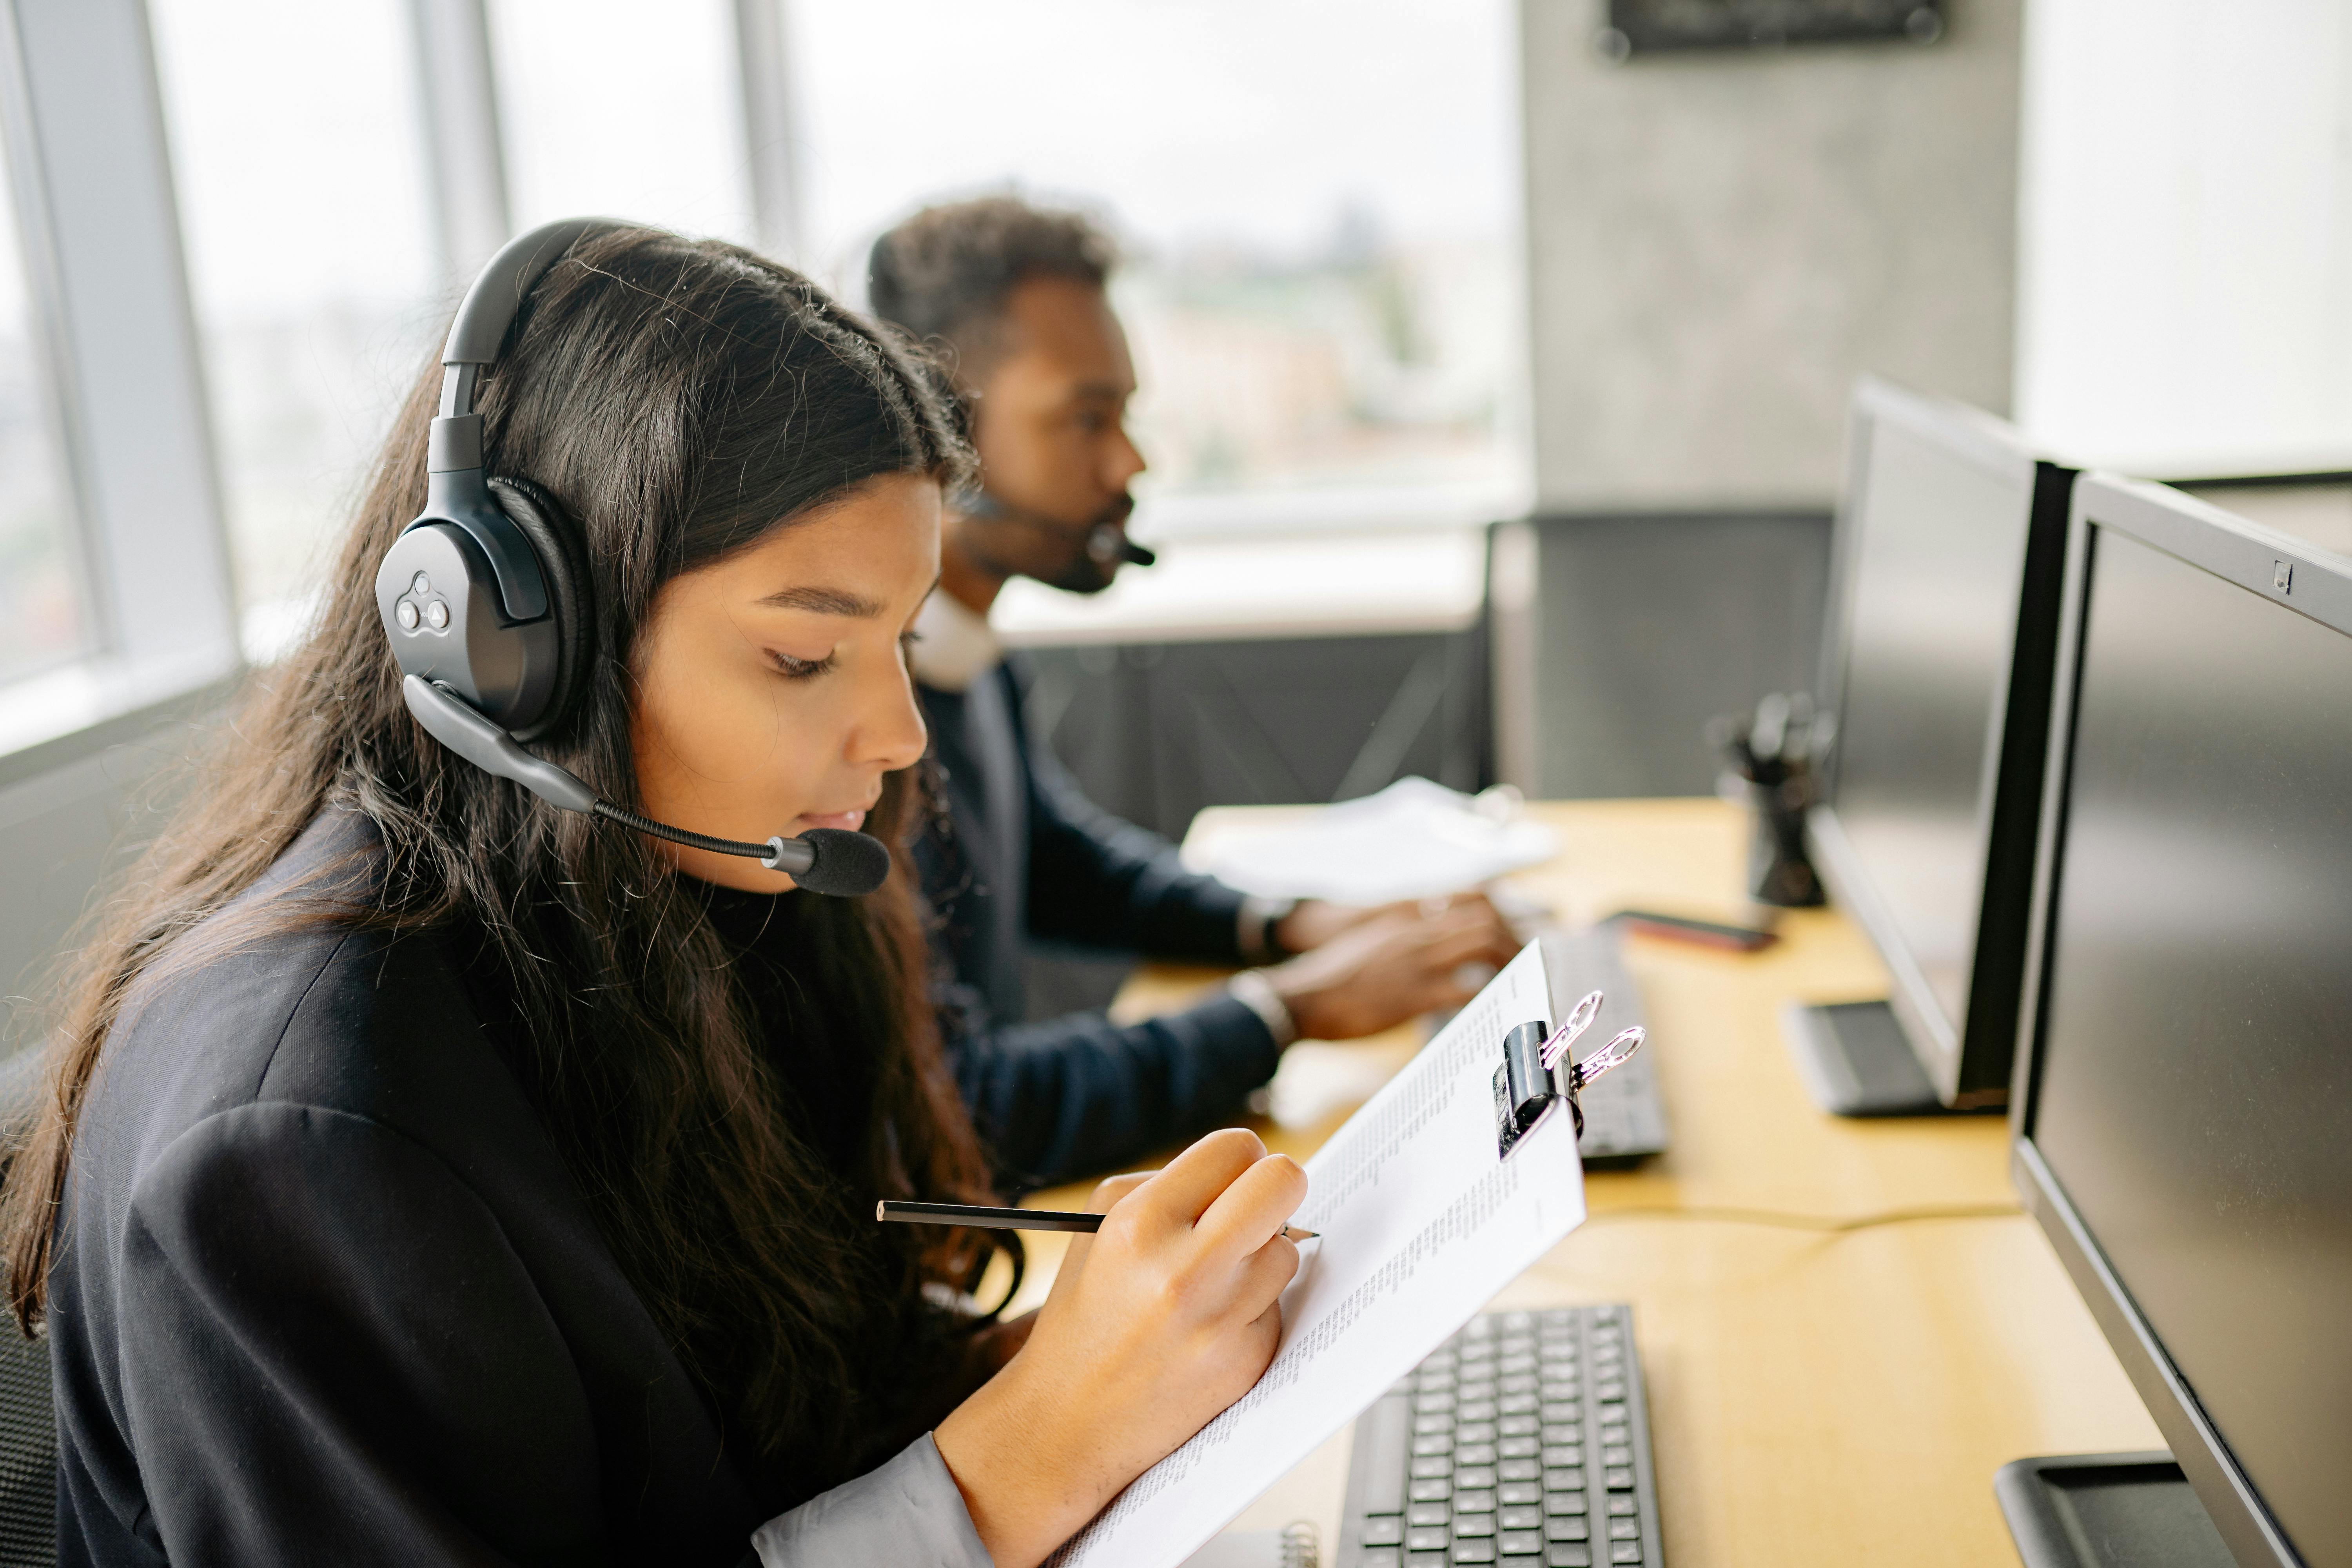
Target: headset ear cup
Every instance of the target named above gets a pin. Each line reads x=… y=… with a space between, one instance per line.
x=563 y=562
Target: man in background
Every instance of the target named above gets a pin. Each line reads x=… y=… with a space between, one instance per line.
x=1013 y=300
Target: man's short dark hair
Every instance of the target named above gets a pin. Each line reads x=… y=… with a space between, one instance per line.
x=945 y=272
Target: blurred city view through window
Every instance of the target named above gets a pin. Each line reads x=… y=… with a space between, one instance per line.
x=312 y=261
x=40 y=614
x=1318 y=199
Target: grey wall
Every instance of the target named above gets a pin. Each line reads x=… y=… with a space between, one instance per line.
x=1719 y=243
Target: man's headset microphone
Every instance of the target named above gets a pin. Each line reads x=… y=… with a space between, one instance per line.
x=486 y=598
x=1105 y=543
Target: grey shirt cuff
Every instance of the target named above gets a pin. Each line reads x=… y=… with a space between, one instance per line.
x=907 y=1512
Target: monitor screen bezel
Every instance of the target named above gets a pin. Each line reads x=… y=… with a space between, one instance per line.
x=2000 y=450
x=2247 y=555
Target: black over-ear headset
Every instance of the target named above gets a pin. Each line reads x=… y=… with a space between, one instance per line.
x=486 y=598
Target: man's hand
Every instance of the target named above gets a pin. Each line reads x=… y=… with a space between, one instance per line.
x=1314 y=922
x=1385 y=965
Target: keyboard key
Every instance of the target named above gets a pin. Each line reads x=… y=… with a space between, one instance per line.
x=1427 y=1513
x=1429 y=1540
x=1566 y=1526
x=1624 y=1529
x=1434 y=1421
x=1564 y=1505
x=1517 y=1425
x=1563 y=1432
x=1563 y=1454
x=1615 y=1431
x=1436 y=1488
x=1433 y=1403
x=1521 y=1360
x=1562 y=1410
x=1474 y=1432
x=1517 y=1445
x=1617 y=1454
x=1522 y=1403
x=1433 y=1443
x=1384 y=1530
x=1476 y=1409
x=1517 y=1518
x=1563 y=1388
x=1619 y=1480
x=1568 y=1480
x=1424 y=1560
x=1624 y=1507
x=1428 y=1465
x=1610 y=1390
x=1519 y=1471
x=1520 y=1543
x=1517 y=1382
x=1519 y=1492
x=1567 y=1555
x=1619 y=1552
x=1473 y=1502
x=1381 y=1557
x=1475 y=1454
x=1474 y=1552
x=1467 y=1526
x=1475 y=1477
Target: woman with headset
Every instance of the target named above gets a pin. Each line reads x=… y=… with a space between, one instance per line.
x=437 y=1172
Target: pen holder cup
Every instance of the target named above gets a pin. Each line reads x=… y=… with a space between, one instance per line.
x=1779 y=870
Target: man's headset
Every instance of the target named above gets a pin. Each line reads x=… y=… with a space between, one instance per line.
x=485 y=597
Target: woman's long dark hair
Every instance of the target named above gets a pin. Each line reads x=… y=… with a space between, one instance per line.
x=680 y=400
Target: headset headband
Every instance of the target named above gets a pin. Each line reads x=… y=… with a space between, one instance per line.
x=454 y=488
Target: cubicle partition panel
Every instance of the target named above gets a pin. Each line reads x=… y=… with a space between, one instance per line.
x=1157 y=730
x=1644 y=626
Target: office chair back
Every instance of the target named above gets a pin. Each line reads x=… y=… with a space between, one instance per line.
x=28 y=1425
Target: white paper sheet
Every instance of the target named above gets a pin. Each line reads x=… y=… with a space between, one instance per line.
x=1421 y=1223
x=1414 y=839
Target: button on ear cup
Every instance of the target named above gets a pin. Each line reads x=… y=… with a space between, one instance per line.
x=562 y=555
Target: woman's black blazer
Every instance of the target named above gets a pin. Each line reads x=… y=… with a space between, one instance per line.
x=324 y=1292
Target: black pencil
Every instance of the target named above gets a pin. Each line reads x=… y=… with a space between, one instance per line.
x=982 y=1218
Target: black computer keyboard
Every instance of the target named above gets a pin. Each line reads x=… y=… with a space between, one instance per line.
x=1523 y=1440
x=1624 y=1117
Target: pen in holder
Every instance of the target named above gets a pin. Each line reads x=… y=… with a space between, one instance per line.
x=1774 y=755
x=1538 y=1076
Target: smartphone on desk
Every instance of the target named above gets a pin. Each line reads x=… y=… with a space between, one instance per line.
x=1702 y=933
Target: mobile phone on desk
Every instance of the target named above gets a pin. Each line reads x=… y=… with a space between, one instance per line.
x=1702 y=934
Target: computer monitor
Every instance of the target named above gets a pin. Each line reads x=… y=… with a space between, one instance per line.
x=1937 y=666
x=2183 y=1103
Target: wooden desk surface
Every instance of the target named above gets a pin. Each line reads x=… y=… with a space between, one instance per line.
x=1813 y=1399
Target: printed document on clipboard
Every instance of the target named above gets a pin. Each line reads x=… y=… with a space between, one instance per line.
x=1422 y=1222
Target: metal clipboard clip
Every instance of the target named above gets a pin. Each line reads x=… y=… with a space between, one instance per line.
x=1538 y=1076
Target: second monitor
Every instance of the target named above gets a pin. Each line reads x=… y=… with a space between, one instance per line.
x=1944 y=616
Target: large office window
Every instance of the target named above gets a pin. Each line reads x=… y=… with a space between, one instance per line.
x=300 y=162
x=1319 y=200
x=605 y=111
x=40 y=614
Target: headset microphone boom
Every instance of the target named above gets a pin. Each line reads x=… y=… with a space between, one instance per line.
x=486 y=600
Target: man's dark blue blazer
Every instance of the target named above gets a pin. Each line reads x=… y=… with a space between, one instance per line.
x=1021 y=853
